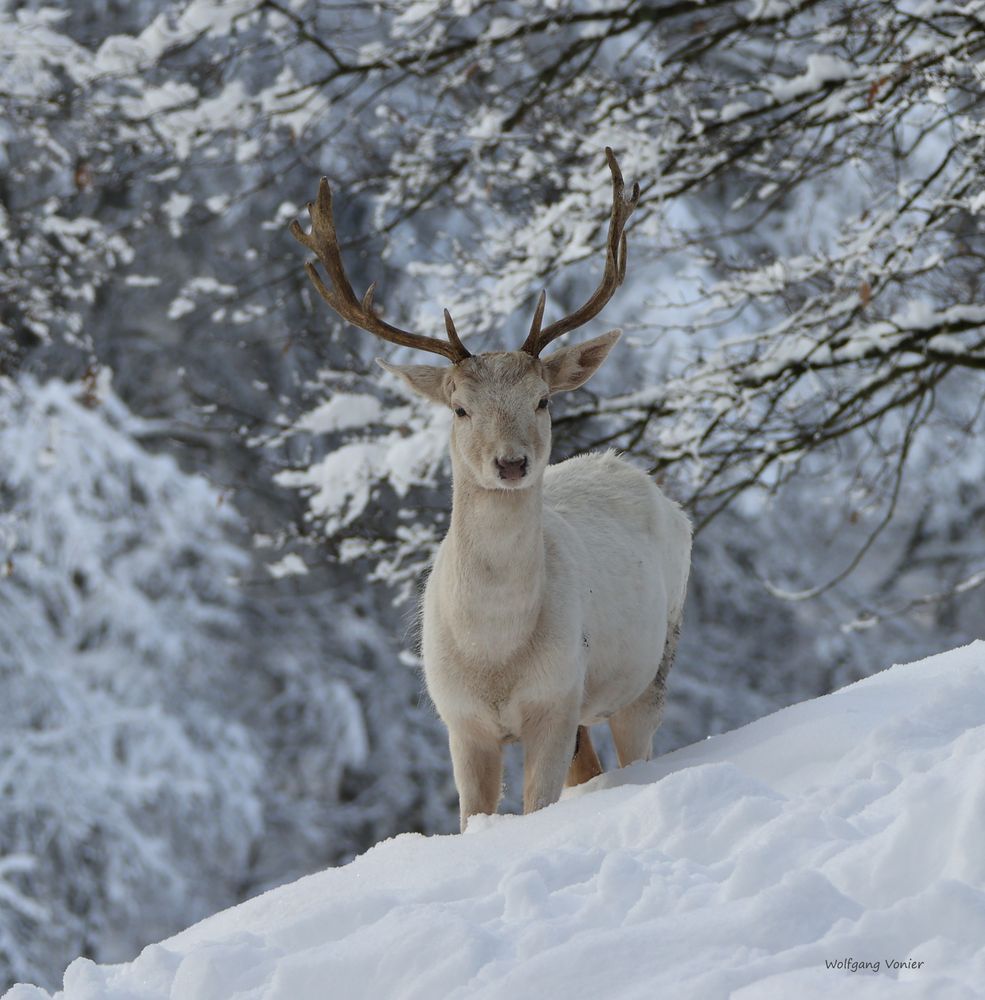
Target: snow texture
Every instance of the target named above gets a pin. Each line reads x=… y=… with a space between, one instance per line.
x=841 y=830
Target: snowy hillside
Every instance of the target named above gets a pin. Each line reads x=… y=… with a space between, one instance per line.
x=848 y=829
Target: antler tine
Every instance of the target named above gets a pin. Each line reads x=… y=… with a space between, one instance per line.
x=323 y=242
x=538 y=316
x=453 y=337
x=612 y=277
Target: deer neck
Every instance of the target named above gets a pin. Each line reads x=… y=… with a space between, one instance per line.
x=496 y=560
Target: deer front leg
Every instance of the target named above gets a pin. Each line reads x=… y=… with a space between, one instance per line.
x=548 y=737
x=477 y=763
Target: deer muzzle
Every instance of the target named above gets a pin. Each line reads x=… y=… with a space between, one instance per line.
x=511 y=470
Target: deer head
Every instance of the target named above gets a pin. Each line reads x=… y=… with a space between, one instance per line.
x=502 y=426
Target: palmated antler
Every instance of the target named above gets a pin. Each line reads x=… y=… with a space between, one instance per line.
x=612 y=277
x=323 y=242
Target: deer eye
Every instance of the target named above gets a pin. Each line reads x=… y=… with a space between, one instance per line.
x=542 y=405
x=459 y=412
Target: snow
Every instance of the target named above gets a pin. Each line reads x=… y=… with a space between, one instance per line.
x=822 y=69
x=291 y=565
x=801 y=856
x=341 y=484
x=343 y=411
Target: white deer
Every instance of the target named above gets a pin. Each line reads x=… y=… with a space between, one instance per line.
x=555 y=599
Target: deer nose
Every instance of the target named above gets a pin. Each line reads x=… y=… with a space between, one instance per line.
x=511 y=469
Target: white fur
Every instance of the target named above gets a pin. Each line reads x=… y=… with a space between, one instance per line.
x=553 y=602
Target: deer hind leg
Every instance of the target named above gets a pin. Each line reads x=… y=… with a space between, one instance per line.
x=585 y=763
x=633 y=726
x=477 y=764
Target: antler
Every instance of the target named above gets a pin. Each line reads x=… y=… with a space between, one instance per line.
x=612 y=277
x=323 y=242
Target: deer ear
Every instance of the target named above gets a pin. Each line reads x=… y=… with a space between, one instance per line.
x=429 y=381
x=573 y=366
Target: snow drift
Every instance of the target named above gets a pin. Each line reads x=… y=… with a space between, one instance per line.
x=835 y=845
